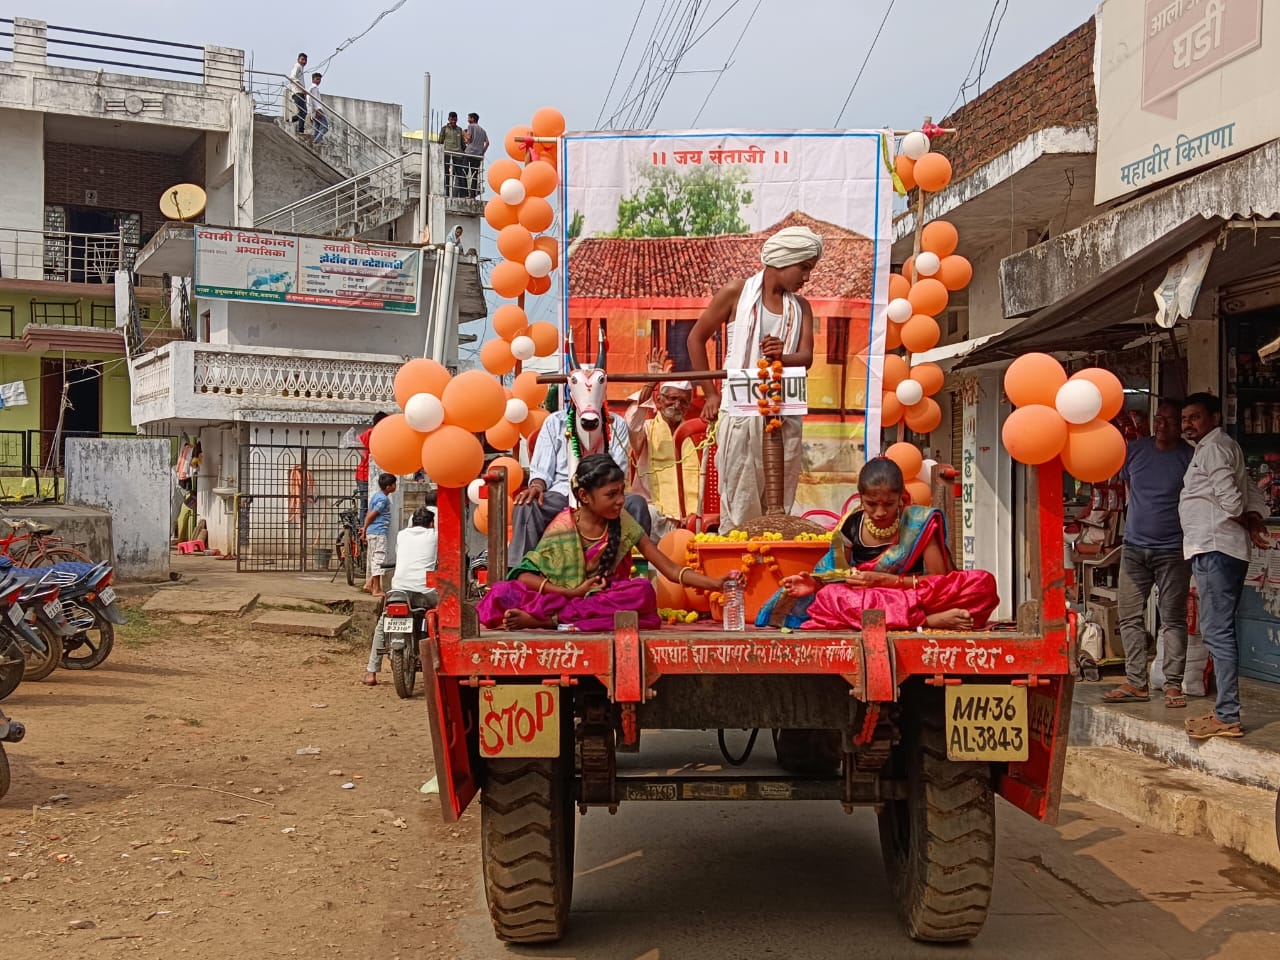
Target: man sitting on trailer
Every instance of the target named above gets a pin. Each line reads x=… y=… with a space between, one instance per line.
x=657 y=462
x=766 y=319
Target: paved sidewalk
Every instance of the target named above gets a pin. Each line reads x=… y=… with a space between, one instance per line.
x=274 y=589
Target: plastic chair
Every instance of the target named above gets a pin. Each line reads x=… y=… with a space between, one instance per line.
x=707 y=516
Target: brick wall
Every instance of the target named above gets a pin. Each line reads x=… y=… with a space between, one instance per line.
x=128 y=181
x=1054 y=89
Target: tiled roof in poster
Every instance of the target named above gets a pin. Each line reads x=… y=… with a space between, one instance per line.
x=608 y=268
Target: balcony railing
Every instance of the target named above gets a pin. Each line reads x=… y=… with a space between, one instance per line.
x=292 y=377
x=63 y=256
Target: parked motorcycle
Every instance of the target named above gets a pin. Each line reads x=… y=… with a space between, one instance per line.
x=80 y=633
x=19 y=640
x=11 y=731
x=403 y=627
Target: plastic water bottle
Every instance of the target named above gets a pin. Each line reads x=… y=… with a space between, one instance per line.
x=733 y=606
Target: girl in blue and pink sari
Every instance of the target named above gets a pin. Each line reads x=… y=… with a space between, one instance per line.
x=580 y=573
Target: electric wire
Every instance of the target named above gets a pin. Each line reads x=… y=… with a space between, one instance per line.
x=618 y=69
x=728 y=61
x=351 y=40
x=865 y=61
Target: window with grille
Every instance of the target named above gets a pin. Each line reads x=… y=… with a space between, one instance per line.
x=676 y=343
x=102 y=315
x=838 y=340
x=55 y=313
x=8 y=325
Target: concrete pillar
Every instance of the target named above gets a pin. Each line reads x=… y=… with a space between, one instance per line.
x=30 y=43
x=21 y=194
x=224 y=67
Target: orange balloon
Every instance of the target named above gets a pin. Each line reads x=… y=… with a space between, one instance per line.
x=929 y=376
x=670 y=595
x=1094 y=451
x=893 y=336
x=509 y=321
x=932 y=172
x=551 y=247
x=540 y=179
x=452 y=456
x=419 y=375
x=515 y=473
x=528 y=389
x=909 y=272
x=928 y=296
x=899 y=286
x=546 y=338
x=547 y=153
x=395 y=446
x=908 y=458
x=924 y=417
x=515 y=242
x=921 y=333
x=547 y=122
x=503 y=435
x=509 y=279
x=480 y=517
x=890 y=409
x=955 y=272
x=500 y=171
x=533 y=422
x=538 y=285
x=536 y=214
x=516 y=143
x=905 y=167
x=1109 y=386
x=1034 y=378
x=921 y=495
x=895 y=370
x=474 y=401
x=496 y=357
x=940 y=237
x=498 y=213
x=1034 y=434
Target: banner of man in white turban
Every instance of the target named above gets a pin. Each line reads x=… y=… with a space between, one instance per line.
x=725 y=249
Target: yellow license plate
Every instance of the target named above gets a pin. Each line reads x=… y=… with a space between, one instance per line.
x=519 y=720
x=986 y=722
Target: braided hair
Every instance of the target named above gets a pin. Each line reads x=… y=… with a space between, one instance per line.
x=595 y=471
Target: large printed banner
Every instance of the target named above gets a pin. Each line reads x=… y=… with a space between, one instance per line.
x=656 y=222
x=236 y=264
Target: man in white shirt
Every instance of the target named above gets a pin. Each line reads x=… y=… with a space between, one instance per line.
x=1221 y=516
x=319 y=122
x=417 y=547
x=298 y=93
x=547 y=492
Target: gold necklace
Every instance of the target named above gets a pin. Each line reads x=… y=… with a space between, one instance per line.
x=584 y=536
x=881 y=533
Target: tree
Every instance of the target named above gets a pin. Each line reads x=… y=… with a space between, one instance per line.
x=705 y=202
x=576 y=223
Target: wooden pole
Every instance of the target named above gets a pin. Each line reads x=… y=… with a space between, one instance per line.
x=915 y=252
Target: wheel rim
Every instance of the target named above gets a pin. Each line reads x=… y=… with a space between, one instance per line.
x=89 y=646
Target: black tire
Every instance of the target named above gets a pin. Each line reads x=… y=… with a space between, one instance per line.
x=4 y=772
x=40 y=665
x=527 y=821
x=939 y=844
x=89 y=648
x=348 y=557
x=404 y=671
x=12 y=670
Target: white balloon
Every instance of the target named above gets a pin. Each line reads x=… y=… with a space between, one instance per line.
x=511 y=191
x=909 y=392
x=927 y=264
x=424 y=412
x=517 y=411
x=915 y=144
x=522 y=347
x=926 y=471
x=473 y=490
x=1079 y=401
x=538 y=263
x=899 y=310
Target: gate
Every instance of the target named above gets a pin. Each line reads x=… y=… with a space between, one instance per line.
x=287 y=518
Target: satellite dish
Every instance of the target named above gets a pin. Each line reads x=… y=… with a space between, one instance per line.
x=185 y=201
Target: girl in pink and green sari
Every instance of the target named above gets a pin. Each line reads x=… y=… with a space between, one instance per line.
x=579 y=575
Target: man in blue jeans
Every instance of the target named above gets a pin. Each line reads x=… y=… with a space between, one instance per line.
x=1221 y=513
x=1152 y=556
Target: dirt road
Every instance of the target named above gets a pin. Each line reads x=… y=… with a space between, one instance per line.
x=171 y=802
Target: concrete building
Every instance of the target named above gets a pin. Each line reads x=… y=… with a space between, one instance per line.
x=267 y=391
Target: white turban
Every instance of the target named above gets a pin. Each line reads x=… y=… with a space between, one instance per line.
x=789 y=246
x=677 y=385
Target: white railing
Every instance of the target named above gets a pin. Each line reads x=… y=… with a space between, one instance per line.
x=62 y=256
x=152 y=377
x=351 y=207
x=312 y=379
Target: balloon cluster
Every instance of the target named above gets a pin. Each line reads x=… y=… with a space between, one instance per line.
x=917 y=471
x=519 y=210
x=478 y=493
x=918 y=295
x=442 y=415
x=1060 y=417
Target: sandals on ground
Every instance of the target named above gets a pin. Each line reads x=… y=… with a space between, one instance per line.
x=1203 y=728
x=1174 y=698
x=1127 y=693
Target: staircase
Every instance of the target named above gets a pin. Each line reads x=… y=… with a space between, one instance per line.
x=353 y=207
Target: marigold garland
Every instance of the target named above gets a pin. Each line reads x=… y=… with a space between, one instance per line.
x=769 y=392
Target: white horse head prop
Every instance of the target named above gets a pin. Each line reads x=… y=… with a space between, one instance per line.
x=587 y=425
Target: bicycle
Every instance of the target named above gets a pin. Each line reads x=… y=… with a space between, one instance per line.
x=347 y=546
x=37 y=546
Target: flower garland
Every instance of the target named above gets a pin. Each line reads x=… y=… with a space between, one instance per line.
x=769 y=392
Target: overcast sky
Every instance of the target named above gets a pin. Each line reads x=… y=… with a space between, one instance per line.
x=794 y=67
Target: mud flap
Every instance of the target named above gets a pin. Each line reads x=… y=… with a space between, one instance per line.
x=1036 y=784
x=450 y=720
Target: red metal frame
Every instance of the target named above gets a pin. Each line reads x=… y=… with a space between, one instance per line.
x=874 y=662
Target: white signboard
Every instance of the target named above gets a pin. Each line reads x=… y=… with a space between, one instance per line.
x=742 y=387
